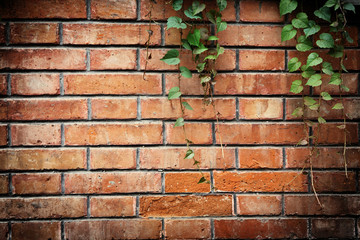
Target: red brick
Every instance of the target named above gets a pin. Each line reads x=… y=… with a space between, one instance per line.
x=173 y=158
x=43 y=9
x=324 y=228
x=4 y=184
x=113 y=134
x=112 y=59
x=330 y=134
x=43 y=207
x=186 y=182
x=336 y=205
x=112 y=108
x=327 y=158
x=260 y=228
x=22 y=33
x=162 y=108
x=113 y=158
x=260 y=11
x=260 y=182
x=260 y=108
x=264 y=133
x=47 y=59
x=259 y=204
x=226 y=61
x=39 y=134
x=260 y=157
x=110 y=34
x=43 y=109
x=198 y=133
x=2 y=33
x=36 y=230
x=3 y=84
x=172 y=206
x=112 y=206
x=37 y=183
x=3 y=135
x=108 y=9
x=349 y=79
x=4 y=230
x=253 y=35
x=113 y=229
x=114 y=182
x=334 y=182
x=187 y=229
x=35 y=84
x=262 y=60
x=124 y=84
x=42 y=159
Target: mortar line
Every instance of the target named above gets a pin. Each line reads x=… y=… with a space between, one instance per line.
x=164 y=133
x=163 y=183
x=286 y=60
x=62 y=230
x=61 y=82
x=60 y=33
x=163 y=84
x=88 y=60
x=137 y=158
x=237 y=61
x=212 y=228
x=7 y=33
x=162 y=32
x=163 y=228
x=89 y=109
x=88 y=211
x=284 y=160
x=284 y=109
x=62 y=130
x=309 y=228
x=237 y=10
x=62 y=184
x=138 y=110
x=10 y=230
x=237 y=160
x=212 y=181
x=138 y=10
x=213 y=134
x=356 y=228
x=9 y=138
x=237 y=106
x=88 y=159
x=88 y=9
x=138 y=59
x=282 y=205
x=10 y=184
x=8 y=83
x=137 y=206
x=235 y=204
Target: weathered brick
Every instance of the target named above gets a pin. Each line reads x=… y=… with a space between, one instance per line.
x=47 y=59
x=113 y=229
x=173 y=158
x=23 y=33
x=259 y=204
x=349 y=79
x=334 y=181
x=38 y=134
x=330 y=133
x=125 y=84
x=35 y=84
x=260 y=11
x=112 y=206
x=108 y=9
x=37 y=183
x=110 y=34
x=3 y=84
x=36 y=230
x=260 y=228
x=342 y=228
x=172 y=206
x=43 y=207
x=113 y=158
x=337 y=205
x=4 y=184
x=264 y=133
x=112 y=59
x=327 y=158
x=41 y=159
x=260 y=108
x=4 y=230
x=186 y=182
x=43 y=109
x=187 y=229
x=198 y=133
x=262 y=60
x=3 y=135
x=162 y=108
x=112 y=108
x=260 y=157
x=113 y=134
x=43 y=9
x=260 y=182
x=114 y=182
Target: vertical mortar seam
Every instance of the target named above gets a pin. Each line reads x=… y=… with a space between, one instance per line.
x=235 y=205
x=61 y=81
x=10 y=184
x=7 y=33
x=62 y=130
x=88 y=60
x=88 y=158
x=88 y=9
x=89 y=109
x=9 y=137
x=60 y=33
x=284 y=158
x=163 y=183
x=237 y=159
x=62 y=226
x=212 y=230
x=138 y=109
x=137 y=158
x=237 y=10
x=62 y=183
x=88 y=211
x=8 y=84
x=138 y=8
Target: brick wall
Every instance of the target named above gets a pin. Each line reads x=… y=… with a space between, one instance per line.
x=88 y=148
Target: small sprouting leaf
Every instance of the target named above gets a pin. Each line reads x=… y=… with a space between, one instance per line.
x=330 y=3
x=308 y=101
x=220 y=50
x=179 y=122
x=213 y=38
x=338 y=106
x=213 y=57
x=341 y=126
x=321 y=120
x=313 y=60
x=323 y=13
x=337 y=51
x=220 y=26
x=177 y=4
x=349 y=6
x=335 y=79
x=314 y=80
x=326 y=41
x=327 y=68
x=200 y=49
x=171 y=57
x=304 y=44
x=221 y=4
x=302 y=142
x=202 y=180
x=174 y=93
x=288 y=32
x=298 y=112
x=294 y=64
x=187 y=106
x=287 y=6
x=175 y=22
x=301 y=21
x=312 y=29
x=197 y=7
x=200 y=67
x=296 y=86
x=194 y=38
x=326 y=96
x=196 y=162
x=185 y=72
x=189 y=154
x=205 y=79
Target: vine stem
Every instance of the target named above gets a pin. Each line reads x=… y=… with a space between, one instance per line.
x=150 y=33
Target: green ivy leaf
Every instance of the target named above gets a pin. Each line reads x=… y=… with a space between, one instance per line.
x=298 y=112
x=312 y=29
x=337 y=51
x=327 y=68
x=174 y=93
x=171 y=57
x=326 y=96
x=330 y=3
x=202 y=180
x=347 y=37
x=321 y=120
x=338 y=106
x=314 y=80
x=301 y=21
x=314 y=107
x=194 y=12
x=186 y=44
x=294 y=64
x=179 y=122
x=323 y=13
x=307 y=72
x=177 y=4
x=287 y=6
x=221 y=4
x=212 y=15
x=349 y=6
x=213 y=57
x=220 y=26
x=189 y=154
x=335 y=79
x=308 y=101
x=185 y=72
x=304 y=44
x=296 y=86
x=194 y=38
x=313 y=60
x=200 y=49
x=187 y=106
x=343 y=68
x=288 y=32
x=219 y=50
x=200 y=67
x=326 y=41
x=345 y=88
x=213 y=38
x=175 y=22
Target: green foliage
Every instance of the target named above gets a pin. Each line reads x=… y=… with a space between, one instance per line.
x=287 y=6
x=174 y=93
x=294 y=64
x=296 y=87
x=175 y=22
x=185 y=72
x=288 y=32
x=326 y=41
x=177 y=4
x=179 y=122
x=187 y=106
x=171 y=57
